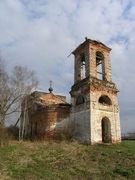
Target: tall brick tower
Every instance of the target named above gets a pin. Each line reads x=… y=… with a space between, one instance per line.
x=95 y=109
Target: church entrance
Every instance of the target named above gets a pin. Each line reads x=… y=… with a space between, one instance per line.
x=106 y=130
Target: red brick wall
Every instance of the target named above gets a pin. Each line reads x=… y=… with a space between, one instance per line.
x=40 y=122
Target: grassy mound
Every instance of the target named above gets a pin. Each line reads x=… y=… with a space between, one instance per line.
x=63 y=160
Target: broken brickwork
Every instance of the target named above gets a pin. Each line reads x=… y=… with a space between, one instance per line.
x=43 y=111
x=95 y=109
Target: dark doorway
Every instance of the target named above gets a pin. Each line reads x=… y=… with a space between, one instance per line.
x=106 y=130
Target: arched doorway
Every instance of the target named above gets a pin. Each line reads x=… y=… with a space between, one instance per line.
x=106 y=130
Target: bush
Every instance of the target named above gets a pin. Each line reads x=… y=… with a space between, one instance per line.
x=4 y=138
x=13 y=132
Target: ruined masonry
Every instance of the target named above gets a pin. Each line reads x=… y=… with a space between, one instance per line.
x=93 y=115
x=95 y=109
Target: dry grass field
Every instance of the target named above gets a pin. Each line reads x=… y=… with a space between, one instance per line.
x=65 y=161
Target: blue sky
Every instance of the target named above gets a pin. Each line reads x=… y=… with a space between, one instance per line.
x=42 y=33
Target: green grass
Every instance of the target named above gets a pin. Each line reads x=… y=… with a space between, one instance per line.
x=63 y=160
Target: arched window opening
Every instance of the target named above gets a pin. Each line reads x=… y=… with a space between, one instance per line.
x=83 y=66
x=80 y=100
x=106 y=130
x=105 y=100
x=100 y=65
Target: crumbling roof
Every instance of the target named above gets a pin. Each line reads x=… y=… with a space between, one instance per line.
x=96 y=42
x=48 y=98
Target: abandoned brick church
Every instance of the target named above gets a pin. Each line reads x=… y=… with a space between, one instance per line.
x=92 y=116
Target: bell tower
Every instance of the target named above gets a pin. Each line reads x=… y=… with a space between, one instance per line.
x=95 y=109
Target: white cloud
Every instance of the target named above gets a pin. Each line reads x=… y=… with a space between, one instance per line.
x=41 y=34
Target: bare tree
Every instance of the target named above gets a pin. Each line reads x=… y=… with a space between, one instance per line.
x=4 y=91
x=13 y=88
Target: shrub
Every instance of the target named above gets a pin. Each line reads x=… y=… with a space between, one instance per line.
x=4 y=138
x=13 y=132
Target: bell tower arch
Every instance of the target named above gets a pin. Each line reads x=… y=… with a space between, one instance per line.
x=93 y=94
